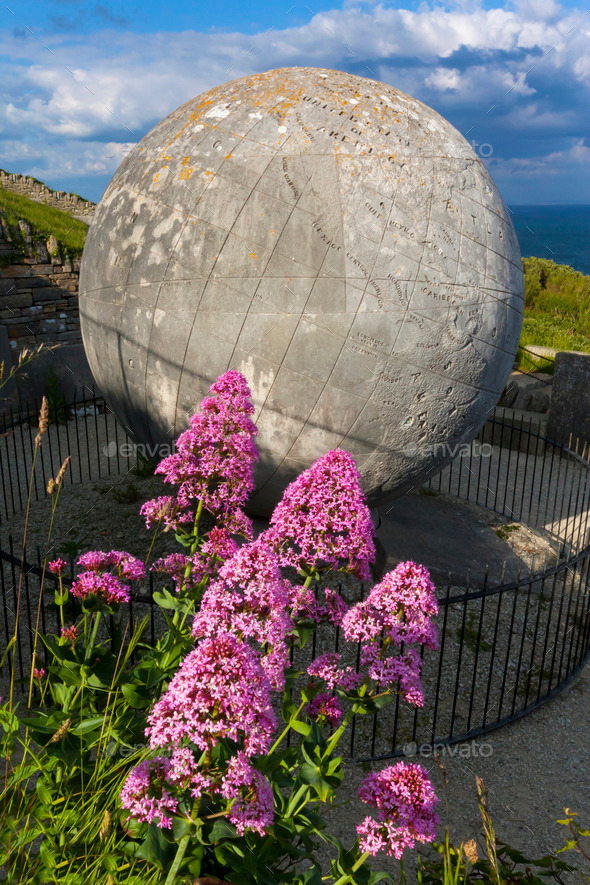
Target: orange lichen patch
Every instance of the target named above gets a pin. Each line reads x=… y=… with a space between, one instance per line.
x=252 y=255
x=185 y=160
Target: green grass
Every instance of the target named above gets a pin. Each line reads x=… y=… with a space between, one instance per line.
x=504 y=531
x=44 y=220
x=557 y=311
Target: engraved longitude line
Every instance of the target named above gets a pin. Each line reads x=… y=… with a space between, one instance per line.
x=213 y=278
x=125 y=288
x=306 y=299
x=272 y=252
x=345 y=339
x=228 y=231
x=277 y=468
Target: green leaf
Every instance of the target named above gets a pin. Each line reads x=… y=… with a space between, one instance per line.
x=226 y=853
x=194 y=865
x=109 y=862
x=304 y=631
x=137 y=696
x=62 y=693
x=87 y=725
x=303 y=728
x=47 y=855
x=180 y=827
x=222 y=829
x=154 y=848
x=43 y=793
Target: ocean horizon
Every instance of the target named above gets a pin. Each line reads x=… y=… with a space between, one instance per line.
x=558 y=232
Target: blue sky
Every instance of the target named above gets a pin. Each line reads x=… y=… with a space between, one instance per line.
x=80 y=83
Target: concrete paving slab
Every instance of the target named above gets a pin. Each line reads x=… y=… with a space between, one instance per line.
x=447 y=537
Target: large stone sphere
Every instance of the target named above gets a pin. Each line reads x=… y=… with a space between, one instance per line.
x=333 y=239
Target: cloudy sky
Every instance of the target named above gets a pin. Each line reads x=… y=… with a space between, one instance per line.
x=80 y=83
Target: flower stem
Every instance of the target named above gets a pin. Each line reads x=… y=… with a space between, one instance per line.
x=294 y=800
x=194 y=546
x=346 y=721
x=90 y=645
x=348 y=878
x=181 y=851
x=287 y=728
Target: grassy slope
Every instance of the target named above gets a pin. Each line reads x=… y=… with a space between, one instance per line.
x=557 y=308
x=44 y=220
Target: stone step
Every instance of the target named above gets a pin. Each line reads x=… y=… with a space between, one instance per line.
x=507 y=433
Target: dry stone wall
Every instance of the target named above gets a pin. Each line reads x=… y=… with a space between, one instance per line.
x=38 y=291
x=36 y=190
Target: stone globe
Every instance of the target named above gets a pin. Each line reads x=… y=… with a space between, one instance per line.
x=333 y=239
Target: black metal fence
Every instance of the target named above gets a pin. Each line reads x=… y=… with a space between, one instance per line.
x=505 y=648
x=85 y=429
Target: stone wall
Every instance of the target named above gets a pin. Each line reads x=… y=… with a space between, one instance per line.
x=36 y=190
x=38 y=291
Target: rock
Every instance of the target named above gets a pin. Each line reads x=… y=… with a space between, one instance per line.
x=509 y=395
x=40 y=252
x=522 y=399
x=540 y=401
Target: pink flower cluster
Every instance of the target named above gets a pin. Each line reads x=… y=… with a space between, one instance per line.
x=304 y=604
x=250 y=601
x=219 y=691
x=57 y=566
x=214 y=462
x=104 y=585
x=150 y=790
x=326 y=667
x=323 y=521
x=397 y=610
x=253 y=805
x=401 y=606
x=165 y=510
x=204 y=564
x=144 y=793
x=404 y=797
x=325 y=708
x=70 y=633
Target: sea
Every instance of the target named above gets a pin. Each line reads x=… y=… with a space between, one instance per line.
x=561 y=233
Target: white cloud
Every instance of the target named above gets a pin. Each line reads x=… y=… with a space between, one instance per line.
x=87 y=96
x=550 y=164
x=443 y=79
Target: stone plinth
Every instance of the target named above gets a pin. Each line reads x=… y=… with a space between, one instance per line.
x=333 y=239
x=569 y=415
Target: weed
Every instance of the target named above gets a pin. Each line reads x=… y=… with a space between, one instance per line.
x=469 y=635
x=126 y=494
x=504 y=531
